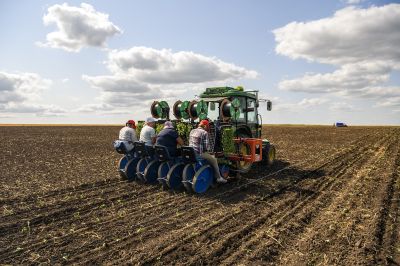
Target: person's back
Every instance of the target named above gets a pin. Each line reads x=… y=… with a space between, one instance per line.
x=168 y=138
x=127 y=134
x=147 y=134
x=198 y=139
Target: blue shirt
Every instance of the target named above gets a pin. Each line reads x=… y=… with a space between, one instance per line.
x=167 y=137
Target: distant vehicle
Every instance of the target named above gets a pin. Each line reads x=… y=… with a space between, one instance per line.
x=340 y=124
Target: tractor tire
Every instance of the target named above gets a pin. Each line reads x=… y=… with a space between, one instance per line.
x=269 y=154
x=242 y=166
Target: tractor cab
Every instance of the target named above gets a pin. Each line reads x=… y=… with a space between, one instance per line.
x=235 y=107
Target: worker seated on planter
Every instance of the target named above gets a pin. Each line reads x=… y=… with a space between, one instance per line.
x=199 y=140
x=127 y=135
x=169 y=138
x=148 y=134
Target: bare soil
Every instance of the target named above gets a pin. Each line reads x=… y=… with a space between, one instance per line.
x=332 y=198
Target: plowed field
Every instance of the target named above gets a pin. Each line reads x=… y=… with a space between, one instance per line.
x=332 y=197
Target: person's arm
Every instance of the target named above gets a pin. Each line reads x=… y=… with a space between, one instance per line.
x=153 y=136
x=179 y=141
x=206 y=142
x=133 y=136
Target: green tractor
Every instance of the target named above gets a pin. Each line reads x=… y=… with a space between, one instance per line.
x=233 y=115
x=238 y=109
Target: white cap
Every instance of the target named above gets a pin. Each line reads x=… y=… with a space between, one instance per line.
x=150 y=120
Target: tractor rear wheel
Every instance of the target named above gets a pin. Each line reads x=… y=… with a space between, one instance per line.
x=269 y=154
x=244 y=149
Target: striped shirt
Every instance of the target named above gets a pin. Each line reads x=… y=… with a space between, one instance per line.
x=199 y=140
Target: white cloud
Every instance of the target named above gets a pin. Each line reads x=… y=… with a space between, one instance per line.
x=166 y=67
x=18 y=90
x=342 y=107
x=306 y=103
x=353 y=2
x=348 y=77
x=117 y=83
x=78 y=27
x=350 y=36
x=362 y=43
x=88 y=108
x=32 y=108
x=390 y=102
x=21 y=86
x=141 y=74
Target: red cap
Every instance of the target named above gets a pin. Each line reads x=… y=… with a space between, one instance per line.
x=132 y=123
x=204 y=122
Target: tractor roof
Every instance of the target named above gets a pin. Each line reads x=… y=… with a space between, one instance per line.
x=226 y=92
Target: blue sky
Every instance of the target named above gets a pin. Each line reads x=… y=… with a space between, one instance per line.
x=105 y=61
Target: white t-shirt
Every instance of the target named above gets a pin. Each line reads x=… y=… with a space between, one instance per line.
x=127 y=134
x=147 y=134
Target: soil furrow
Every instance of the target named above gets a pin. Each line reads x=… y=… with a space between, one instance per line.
x=290 y=234
x=242 y=231
x=332 y=197
x=248 y=242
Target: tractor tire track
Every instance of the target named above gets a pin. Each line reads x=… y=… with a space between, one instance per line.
x=285 y=235
x=387 y=231
x=247 y=214
x=257 y=230
x=241 y=231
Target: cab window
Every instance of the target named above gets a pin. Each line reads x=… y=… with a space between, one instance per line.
x=251 y=110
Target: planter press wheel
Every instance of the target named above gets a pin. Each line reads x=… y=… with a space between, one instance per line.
x=151 y=172
x=187 y=177
x=130 y=169
x=203 y=179
x=140 y=168
x=162 y=173
x=174 y=177
x=121 y=167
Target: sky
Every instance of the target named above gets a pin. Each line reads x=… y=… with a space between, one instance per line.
x=104 y=62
